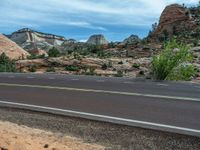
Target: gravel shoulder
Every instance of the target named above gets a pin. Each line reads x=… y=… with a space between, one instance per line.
x=18 y=137
x=97 y=135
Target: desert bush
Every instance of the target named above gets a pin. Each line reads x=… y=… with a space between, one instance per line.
x=32 y=68
x=135 y=65
x=54 y=52
x=104 y=67
x=72 y=68
x=119 y=74
x=195 y=42
x=51 y=69
x=90 y=71
x=76 y=56
x=182 y=72
x=169 y=65
x=6 y=65
x=33 y=56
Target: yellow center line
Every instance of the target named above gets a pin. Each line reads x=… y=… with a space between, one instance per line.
x=102 y=91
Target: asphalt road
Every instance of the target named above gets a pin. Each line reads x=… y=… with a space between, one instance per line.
x=167 y=106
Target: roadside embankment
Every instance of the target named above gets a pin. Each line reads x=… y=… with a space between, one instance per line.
x=74 y=133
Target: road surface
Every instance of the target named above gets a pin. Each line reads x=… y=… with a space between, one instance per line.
x=166 y=106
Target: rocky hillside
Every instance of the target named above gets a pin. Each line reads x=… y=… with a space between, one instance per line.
x=11 y=49
x=30 y=39
x=175 y=20
x=97 y=40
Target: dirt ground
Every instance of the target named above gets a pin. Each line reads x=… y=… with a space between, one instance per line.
x=16 y=137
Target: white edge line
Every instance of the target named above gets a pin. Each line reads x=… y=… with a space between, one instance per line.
x=160 y=84
x=122 y=121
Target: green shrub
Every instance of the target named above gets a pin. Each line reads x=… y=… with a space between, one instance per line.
x=95 y=48
x=135 y=65
x=119 y=74
x=182 y=72
x=104 y=67
x=54 y=52
x=195 y=42
x=110 y=64
x=50 y=69
x=166 y=65
x=91 y=71
x=32 y=68
x=6 y=65
x=76 y=56
x=33 y=56
x=72 y=68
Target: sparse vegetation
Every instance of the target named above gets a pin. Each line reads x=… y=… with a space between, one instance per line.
x=171 y=63
x=33 y=56
x=6 y=65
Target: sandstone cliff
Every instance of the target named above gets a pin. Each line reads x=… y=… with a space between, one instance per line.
x=173 y=20
x=97 y=40
x=11 y=49
x=30 y=39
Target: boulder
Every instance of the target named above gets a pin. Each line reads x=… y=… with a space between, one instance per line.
x=196 y=49
x=38 y=52
x=28 y=63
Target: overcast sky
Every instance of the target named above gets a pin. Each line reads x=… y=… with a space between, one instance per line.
x=78 y=19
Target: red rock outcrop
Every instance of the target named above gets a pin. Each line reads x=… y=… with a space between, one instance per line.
x=173 y=18
x=11 y=49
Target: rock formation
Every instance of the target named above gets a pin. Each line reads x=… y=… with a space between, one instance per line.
x=133 y=39
x=30 y=39
x=11 y=49
x=38 y=52
x=97 y=40
x=172 y=21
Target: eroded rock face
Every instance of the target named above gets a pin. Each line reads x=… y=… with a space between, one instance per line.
x=11 y=49
x=29 y=39
x=38 y=52
x=97 y=40
x=133 y=39
x=172 y=20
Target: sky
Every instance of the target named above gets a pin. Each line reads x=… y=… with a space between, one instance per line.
x=78 y=19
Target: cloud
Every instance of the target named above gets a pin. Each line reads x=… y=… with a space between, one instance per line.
x=87 y=14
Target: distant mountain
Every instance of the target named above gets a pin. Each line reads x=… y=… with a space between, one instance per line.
x=30 y=39
x=133 y=39
x=97 y=40
x=11 y=49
